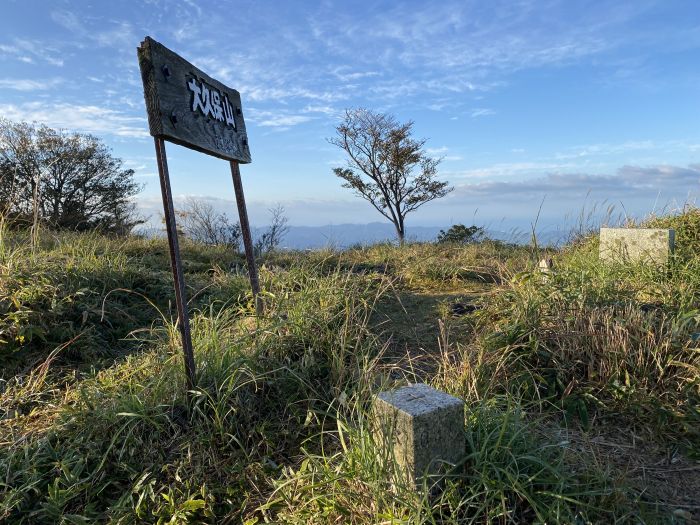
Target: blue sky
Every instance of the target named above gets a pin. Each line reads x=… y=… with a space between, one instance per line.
x=582 y=104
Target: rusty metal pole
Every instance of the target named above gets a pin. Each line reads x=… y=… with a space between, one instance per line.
x=247 y=238
x=175 y=263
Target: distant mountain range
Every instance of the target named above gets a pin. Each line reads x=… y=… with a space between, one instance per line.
x=346 y=235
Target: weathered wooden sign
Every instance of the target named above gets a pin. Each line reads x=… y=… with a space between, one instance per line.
x=188 y=107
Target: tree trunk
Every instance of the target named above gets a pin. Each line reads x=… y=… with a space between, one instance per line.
x=400 y=233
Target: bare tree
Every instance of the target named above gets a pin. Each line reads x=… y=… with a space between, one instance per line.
x=276 y=231
x=386 y=166
x=201 y=222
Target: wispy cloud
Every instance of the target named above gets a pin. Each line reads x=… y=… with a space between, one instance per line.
x=118 y=34
x=259 y=81
x=482 y=112
x=395 y=53
x=606 y=149
x=31 y=51
x=442 y=153
x=629 y=180
x=25 y=84
x=326 y=110
x=462 y=47
x=276 y=119
x=87 y=118
x=346 y=74
x=258 y=93
x=437 y=151
x=68 y=20
x=505 y=170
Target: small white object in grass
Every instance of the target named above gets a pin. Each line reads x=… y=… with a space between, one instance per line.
x=545 y=265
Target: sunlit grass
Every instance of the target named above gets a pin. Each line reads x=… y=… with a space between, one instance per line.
x=96 y=425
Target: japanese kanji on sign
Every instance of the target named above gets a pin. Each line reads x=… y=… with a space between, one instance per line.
x=188 y=107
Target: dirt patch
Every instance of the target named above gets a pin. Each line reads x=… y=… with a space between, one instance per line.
x=410 y=322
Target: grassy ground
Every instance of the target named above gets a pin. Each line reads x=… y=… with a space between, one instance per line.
x=581 y=386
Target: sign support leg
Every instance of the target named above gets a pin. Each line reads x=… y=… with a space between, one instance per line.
x=175 y=263
x=247 y=238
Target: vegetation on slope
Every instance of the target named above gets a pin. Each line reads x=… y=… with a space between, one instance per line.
x=96 y=425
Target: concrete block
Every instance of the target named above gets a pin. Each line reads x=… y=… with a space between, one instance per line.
x=636 y=244
x=422 y=428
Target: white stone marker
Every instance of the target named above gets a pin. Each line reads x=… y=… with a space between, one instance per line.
x=423 y=429
x=545 y=265
x=636 y=244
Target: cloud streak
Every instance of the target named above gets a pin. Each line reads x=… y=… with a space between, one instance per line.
x=629 y=181
x=276 y=119
x=85 y=118
x=482 y=112
x=25 y=84
x=31 y=51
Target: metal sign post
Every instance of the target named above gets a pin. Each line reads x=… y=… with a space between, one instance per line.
x=175 y=262
x=188 y=107
x=247 y=239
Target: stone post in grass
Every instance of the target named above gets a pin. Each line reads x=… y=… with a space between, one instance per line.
x=421 y=430
x=630 y=245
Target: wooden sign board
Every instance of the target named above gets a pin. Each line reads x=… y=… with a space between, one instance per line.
x=188 y=107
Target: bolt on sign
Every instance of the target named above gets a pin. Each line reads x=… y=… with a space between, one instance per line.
x=188 y=107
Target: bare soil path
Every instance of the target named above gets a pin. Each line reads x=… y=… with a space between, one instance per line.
x=412 y=322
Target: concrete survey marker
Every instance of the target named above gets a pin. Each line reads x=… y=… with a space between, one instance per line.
x=422 y=428
x=636 y=245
